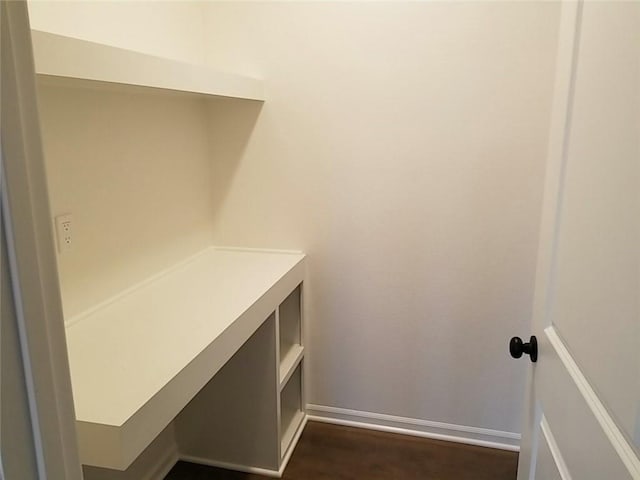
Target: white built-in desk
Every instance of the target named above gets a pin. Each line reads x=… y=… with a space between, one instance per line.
x=211 y=348
x=138 y=359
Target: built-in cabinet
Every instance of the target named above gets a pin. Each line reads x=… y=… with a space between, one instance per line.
x=291 y=358
x=209 y=352
x=250 y=415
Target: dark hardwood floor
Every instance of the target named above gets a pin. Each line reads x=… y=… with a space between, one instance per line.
x=330 y=452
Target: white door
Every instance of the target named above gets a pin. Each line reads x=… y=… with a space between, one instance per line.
x=37 y=434
x=583 y=399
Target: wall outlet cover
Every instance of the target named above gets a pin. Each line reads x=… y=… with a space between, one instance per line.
x=64 y=232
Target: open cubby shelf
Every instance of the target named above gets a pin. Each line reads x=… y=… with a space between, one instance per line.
x=290 y=333
x=291 y=408
x=291 y=361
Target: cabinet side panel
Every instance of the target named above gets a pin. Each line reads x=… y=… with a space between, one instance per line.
x=233 y=420
x=152 y=464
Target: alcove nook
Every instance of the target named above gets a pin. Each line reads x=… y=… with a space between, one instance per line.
x=325 y=234
x=171 y=340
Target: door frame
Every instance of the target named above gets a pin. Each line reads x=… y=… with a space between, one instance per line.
x=31 y=255
x=554 y=172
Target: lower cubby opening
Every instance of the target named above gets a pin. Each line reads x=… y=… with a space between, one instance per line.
x=291 y=410
x=289 y=317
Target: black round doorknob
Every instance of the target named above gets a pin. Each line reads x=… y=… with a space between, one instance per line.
x=517 y=348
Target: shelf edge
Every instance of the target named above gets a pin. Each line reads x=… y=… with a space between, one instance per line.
x=289 y=364
x=74 y=58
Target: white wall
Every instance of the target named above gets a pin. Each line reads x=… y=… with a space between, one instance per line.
x=402 y=147
x=173 y=29
x=132 y=168
x=134 y=171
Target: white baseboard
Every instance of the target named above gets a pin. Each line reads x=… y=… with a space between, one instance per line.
x=482 y=437
x=292 y=445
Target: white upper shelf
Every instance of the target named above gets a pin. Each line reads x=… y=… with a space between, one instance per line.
x=76 y=59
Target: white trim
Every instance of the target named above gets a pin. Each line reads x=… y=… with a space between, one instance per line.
x=27 y=366
x=561 y=465
x=8 y=231
x=136 y=286
x=32 y=256
x=263 y=250
x=611 y=430
x=535 y=447
x=482 y=437
x=563 y=160
x=292 y=444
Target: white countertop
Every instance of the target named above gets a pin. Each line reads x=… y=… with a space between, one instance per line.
x=130 y=350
